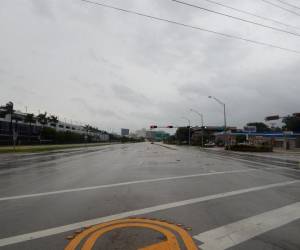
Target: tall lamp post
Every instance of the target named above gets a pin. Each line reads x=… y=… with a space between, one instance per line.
x=224 y=110
x=189 y=128
x=202 y=125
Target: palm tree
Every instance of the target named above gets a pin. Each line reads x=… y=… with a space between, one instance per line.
x=87 y=128
x=42 y=119
x=29 y=118
x=2 y=111
x=9 y=109
x=53 y=120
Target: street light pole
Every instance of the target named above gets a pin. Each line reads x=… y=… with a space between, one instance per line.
x=225 y=122
x=202 y=125
x=224 y=110
x=189 y=129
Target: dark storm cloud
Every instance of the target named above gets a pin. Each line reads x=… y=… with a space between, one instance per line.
x=194 y=89
x=43 y=8
x=84 y=105
x=99 y=59
x=129 y=95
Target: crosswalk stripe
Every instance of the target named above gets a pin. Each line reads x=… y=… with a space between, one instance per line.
x=235 y=233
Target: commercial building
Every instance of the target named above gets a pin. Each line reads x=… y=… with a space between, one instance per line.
x=124 y=131
x=24 y=131
x=209 y=133
x=286 y=140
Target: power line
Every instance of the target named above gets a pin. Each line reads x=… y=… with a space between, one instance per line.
x=280 y=7
x=192 y=27
x=236 y=18
x=289 y=4
x=251 y=14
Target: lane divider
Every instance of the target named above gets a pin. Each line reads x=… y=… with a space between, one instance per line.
x=164 y=146
x=16 y=197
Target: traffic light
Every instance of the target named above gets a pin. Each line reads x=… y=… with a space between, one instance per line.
x=153 y=126
x=272 y=117
x=170 y=126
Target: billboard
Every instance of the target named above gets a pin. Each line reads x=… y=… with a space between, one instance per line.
x=124 y=131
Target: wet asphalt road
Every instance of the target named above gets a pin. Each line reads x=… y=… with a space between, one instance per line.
x=56 y=190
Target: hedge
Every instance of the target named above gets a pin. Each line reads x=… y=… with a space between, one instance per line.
x=250 y=148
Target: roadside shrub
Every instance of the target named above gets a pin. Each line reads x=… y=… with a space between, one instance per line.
x=125 y=139
x=50 y=135
x=170 y=140
x=250 y=148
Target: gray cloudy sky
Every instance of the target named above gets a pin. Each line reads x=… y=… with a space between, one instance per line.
x=113 y=70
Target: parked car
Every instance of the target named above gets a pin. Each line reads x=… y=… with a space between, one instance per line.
x=209 y=145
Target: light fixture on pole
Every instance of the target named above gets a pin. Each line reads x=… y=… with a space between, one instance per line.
x=224 y=110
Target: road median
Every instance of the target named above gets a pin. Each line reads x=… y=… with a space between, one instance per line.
x=168 y=147
x=45 y=148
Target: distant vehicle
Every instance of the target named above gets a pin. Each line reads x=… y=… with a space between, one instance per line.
x=220 y=144
x=209 y=145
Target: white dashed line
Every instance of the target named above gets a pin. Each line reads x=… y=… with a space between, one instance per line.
x=121 y=184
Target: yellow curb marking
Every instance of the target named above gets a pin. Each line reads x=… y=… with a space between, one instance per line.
x=97 y=231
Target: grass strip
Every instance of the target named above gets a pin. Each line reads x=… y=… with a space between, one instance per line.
x=44 y=148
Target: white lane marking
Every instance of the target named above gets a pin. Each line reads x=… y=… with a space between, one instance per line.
x=59 y=160
x=122 y=184
x=74 y=226
x=276 y=160
x=235 y=233
x=259 y=163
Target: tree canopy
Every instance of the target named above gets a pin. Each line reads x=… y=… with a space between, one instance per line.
x=182 y=134
x=260 y=126
x=42 y=118
x=292 y=123
x=29 y=118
